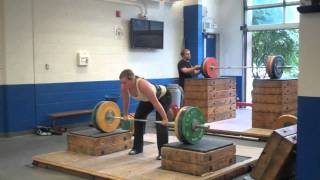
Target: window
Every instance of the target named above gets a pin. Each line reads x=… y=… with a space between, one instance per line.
x=283 y=42
x=265 y=16
x=262 y=2
x=272 y=29
x=291 y=14
x=278 y=13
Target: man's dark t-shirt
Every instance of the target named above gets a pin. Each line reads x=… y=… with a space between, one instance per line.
x=182 y=76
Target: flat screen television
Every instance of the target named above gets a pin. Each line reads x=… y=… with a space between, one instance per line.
x=146 y=34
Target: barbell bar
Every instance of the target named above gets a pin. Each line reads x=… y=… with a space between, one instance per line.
x=274 y=67
x=170 y=124
x=135 y=119
x=248 y=67
x=189 y=124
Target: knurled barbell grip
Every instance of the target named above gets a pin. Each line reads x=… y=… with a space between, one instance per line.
x=170 y=124
x=141 y=120
x=130 y=119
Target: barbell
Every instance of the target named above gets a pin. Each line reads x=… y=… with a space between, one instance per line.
x=274 y=67
x=189 y=124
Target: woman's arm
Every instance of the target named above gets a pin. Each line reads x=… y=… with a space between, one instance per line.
x=145 y=87
x=125 y=101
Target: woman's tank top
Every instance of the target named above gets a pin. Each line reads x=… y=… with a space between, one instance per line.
x=159 y=91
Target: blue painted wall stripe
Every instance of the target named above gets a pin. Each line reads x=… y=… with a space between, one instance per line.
x=193 y=32
x=25 y=106
x=308 y=157
x=19 y=107
x=2 y=114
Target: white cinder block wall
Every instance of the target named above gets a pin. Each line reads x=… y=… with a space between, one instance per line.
x=1 y=43
x=192 y=2
x=309 y=55
x=230 y=18
x=213 y=8
x=229 y=41
x=18 y=42
x=40 y=32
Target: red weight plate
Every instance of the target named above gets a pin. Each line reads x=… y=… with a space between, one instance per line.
x=269 y=65
x=211 y=67
x=203 y=70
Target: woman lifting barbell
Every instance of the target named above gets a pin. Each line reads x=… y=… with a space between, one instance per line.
x=151 y=97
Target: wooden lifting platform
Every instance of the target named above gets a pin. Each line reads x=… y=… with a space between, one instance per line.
x=120 y=165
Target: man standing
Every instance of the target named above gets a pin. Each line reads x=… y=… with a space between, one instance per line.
x=185 y=69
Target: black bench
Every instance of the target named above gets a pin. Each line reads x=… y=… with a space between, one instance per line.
x=59 y=115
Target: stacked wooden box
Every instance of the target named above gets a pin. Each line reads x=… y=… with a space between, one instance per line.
x=190 y=160
x=271 y=99
x=96 y=143
x=215 y=97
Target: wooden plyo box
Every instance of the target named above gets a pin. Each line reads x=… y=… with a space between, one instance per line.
x=272 y=98
x=207 y=156
x=277 y=161
x=93 y=142
x=216 y=97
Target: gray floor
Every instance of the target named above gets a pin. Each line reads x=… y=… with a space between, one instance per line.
x=16 y=153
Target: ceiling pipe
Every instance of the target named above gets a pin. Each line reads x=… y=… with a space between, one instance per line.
x=142 y=6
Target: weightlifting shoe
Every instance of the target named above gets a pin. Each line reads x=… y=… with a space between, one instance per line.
x=159 y=157
x=133 y=152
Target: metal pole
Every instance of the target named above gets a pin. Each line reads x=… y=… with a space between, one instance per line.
x=140 y=120
x=245 y=67
x=157 y=122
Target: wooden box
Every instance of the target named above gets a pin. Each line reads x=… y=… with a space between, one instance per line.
x=277 y=161
x=215 y=97
x=272 y=98
x=191 y=160
x=93 y=142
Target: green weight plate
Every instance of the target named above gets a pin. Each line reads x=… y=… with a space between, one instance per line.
x=126 y=125
x=93 y=115
x=182 y=139
x=192 y=117
x=177 y=127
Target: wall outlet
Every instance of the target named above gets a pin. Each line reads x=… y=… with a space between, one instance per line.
x=83 y=58
x=118 y=32
x=47 y=66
